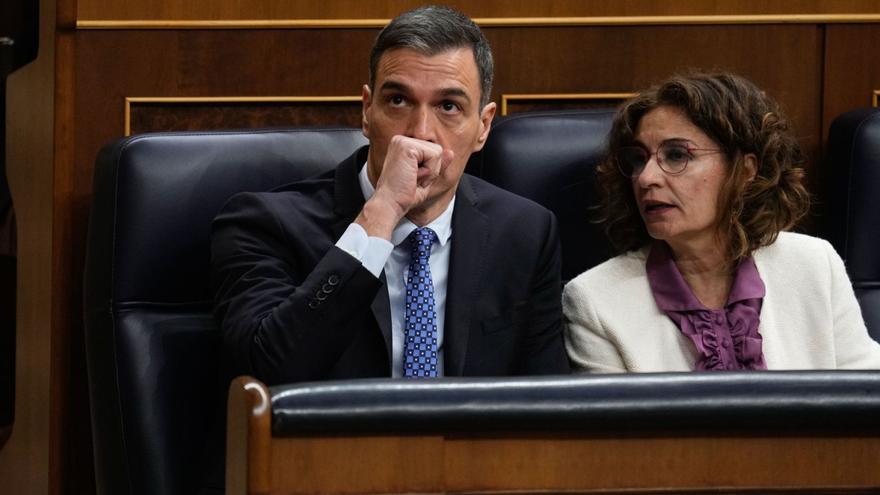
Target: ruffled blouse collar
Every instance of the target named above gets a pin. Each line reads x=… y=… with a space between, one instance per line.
x=725 y=339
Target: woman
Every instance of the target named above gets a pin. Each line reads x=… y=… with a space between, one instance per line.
x=701 y=181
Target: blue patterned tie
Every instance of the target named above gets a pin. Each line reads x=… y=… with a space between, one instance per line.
x=420 y=323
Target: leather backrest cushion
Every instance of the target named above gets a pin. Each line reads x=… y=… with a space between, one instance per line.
x=853 y=204
x=869 y=301
x=170 y=186
x=550 y=157
x=853 y=164
x=166 y=385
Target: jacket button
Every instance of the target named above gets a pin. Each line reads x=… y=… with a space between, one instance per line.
x=320 y=295
x=333 y=279
x=313 y=304
x=327 y=288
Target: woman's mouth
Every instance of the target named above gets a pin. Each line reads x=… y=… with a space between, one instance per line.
x=657 y=207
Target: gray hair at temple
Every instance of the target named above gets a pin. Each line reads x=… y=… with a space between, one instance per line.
x=431 y=30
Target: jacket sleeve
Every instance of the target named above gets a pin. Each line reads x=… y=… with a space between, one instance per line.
x=544 y=350
x=853 y=347
x=284 y=304
x=586 y=340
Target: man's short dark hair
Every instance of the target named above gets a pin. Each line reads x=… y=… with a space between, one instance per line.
x=431 y=30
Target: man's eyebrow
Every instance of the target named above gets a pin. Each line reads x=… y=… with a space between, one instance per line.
x=403 y=88
x=455 y=92
x=394 y=86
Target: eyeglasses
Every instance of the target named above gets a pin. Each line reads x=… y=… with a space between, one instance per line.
x=672 y=157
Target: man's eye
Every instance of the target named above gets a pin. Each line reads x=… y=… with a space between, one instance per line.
x=396 y=100
x=448 y=106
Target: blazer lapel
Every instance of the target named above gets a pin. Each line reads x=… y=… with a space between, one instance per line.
x=349 y=202
x=469 y=239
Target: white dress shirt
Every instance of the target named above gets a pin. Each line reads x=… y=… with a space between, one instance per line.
x=377 y=254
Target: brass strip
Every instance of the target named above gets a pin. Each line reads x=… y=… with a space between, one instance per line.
x=127 y=125
x=129 y=100
x=505 y=98
x=486 y=21
x=876 y=98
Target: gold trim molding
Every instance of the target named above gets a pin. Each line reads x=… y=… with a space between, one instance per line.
x=129 y=100
x=876 y=98
x=505 y=98
x=485 y=22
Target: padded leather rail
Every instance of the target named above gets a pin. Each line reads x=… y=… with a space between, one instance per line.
x=832 y=400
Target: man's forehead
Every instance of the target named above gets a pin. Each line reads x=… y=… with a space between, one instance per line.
x=398 y=58
x=404 y=68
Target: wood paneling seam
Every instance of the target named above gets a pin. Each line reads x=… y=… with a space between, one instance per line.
x=485 y=22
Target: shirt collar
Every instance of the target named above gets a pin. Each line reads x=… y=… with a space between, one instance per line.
x=672 y=293
x=747 y=283
x=442 y=225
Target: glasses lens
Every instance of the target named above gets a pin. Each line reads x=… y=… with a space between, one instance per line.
x=673 y=157
x=631 y=160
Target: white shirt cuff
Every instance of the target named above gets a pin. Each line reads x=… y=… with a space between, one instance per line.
x=372 y=252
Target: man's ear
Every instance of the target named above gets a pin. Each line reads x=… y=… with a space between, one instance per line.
x=366 y=101
x=486 y=116
x=750 y=162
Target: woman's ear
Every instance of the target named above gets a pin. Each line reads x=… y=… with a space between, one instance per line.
x=750 y=162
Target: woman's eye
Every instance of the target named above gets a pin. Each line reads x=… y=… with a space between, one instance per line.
x=677 y=155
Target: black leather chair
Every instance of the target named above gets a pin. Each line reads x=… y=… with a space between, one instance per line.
x=152 y=344
x=853 y=209
x=550 y=157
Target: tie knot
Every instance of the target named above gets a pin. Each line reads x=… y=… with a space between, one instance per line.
x=420 y=242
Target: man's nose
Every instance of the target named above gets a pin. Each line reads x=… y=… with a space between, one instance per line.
x=421 y=125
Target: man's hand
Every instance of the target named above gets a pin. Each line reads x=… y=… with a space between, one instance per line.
x=411 y=166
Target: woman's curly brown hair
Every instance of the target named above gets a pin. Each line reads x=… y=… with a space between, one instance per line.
x=742 y=120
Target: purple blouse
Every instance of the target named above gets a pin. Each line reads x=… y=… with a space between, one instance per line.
x=727 y=338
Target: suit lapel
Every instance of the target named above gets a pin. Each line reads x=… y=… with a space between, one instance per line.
x=381 y=307
x=469 y=239
x=349 y=202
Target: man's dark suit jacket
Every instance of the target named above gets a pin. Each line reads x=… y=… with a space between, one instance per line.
x=294 y=307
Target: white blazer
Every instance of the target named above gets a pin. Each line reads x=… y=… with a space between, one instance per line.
x=810 y=318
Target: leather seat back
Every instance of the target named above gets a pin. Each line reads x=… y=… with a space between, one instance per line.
x=550 y=158
x=152 y=344
x=853 y=165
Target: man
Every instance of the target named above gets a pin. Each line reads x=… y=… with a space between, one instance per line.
x=395 y=263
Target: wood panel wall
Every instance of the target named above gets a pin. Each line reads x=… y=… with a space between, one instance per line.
x=106 y=58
